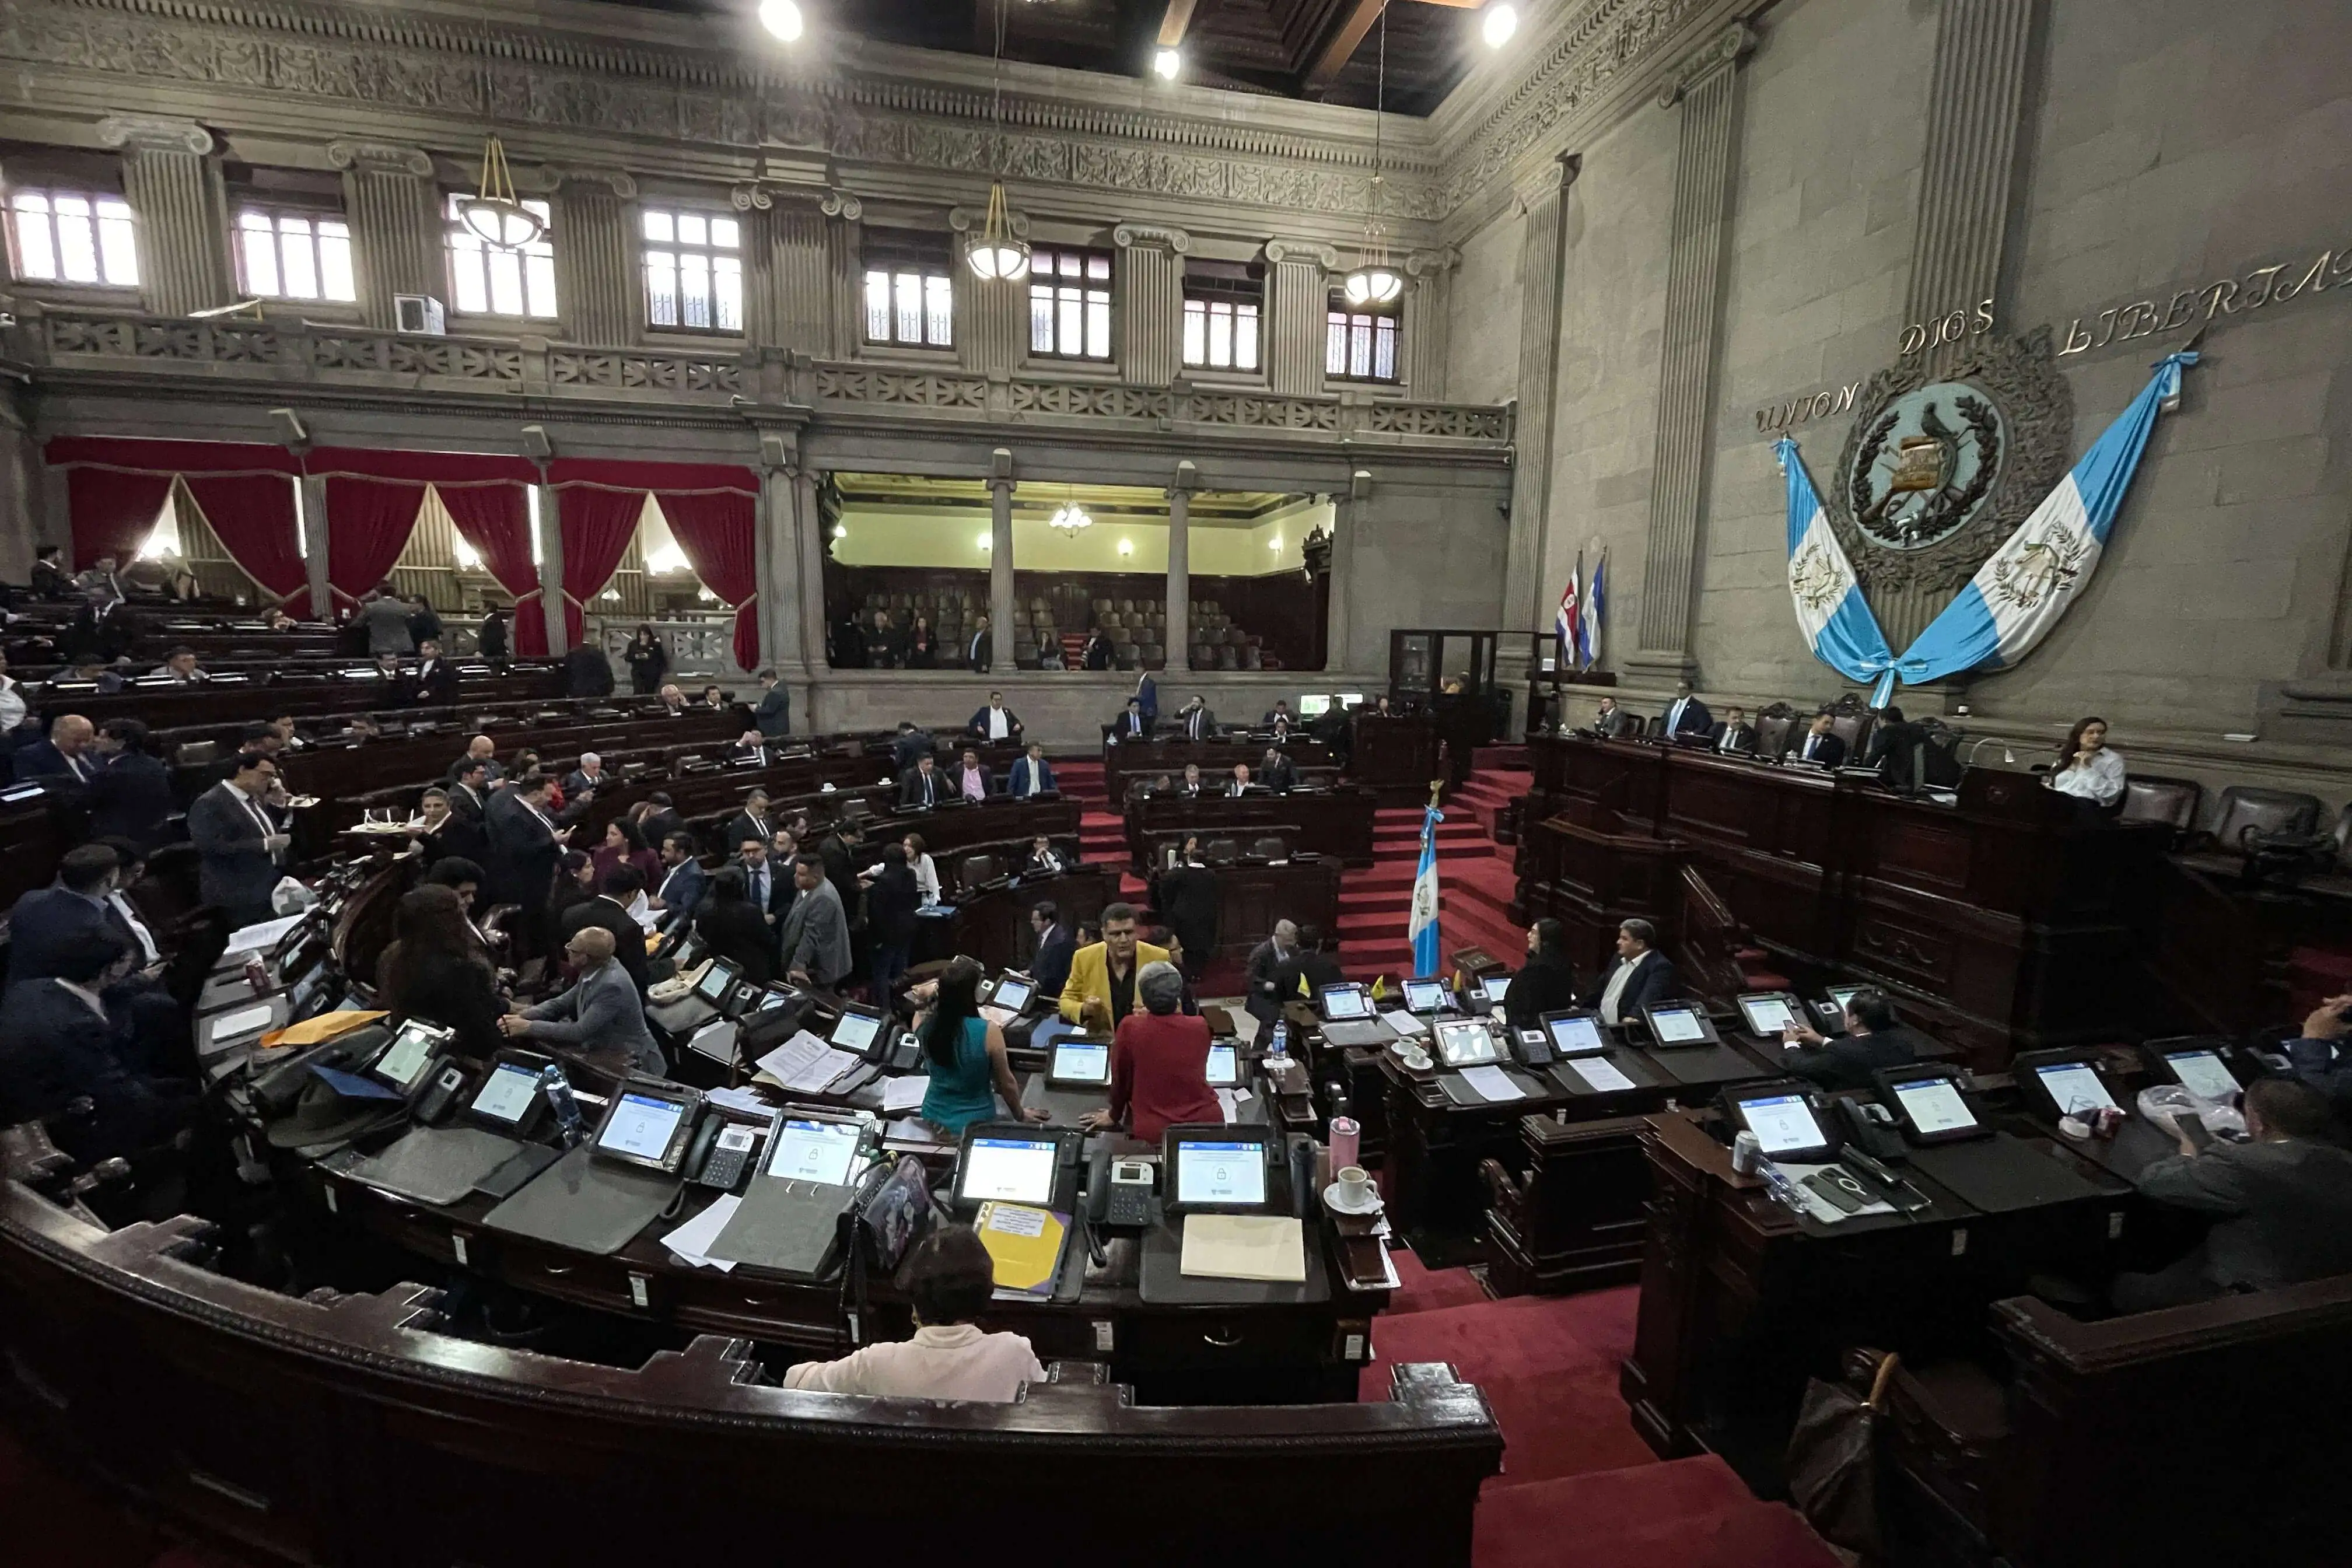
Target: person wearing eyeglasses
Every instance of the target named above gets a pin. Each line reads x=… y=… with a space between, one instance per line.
x=602 y=1007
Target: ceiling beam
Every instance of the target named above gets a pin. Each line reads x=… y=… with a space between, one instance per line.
x=1345 y=40
x=1173 y=21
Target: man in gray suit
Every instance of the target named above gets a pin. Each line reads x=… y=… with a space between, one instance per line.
x=2281 y=1201
x=601 y=1009
x=241 y=846
x=385 y=620
x=815 y=932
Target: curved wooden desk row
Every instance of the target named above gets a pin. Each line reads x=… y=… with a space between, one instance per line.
x=344 y=1430
x=303 y=694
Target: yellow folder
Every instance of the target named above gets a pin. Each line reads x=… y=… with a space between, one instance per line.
x=1025 y=1242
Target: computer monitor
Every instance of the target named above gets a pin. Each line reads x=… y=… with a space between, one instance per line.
x=717 y=982
x=1574 y=1032
x=1929 y=1101
x=1009 y=1166
x=509 y=1094
x=1013 y=992
x=2069 y=1086
x=1497 y=988
x=1314 y=707
x=1841 y=996
x=1349 y=698
x=647 y=1124
x=1217 y=1170
x=859 y=1029
x=1467 y=1043
x=1224 y=1066
x=1427 y=996
x=1770 y=1012
x=1781 y=1116
x=2201 y=1071
x=1079 y=1064
x=403 y=1060
x=804 y=1148
x=1344 y=1004
x=1675 y=1024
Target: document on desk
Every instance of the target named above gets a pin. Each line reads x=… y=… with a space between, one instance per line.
x=1229 y=1103
x=692 y=1241
x=254 y=938
x=1492 y=1084
x=1405 y=1024
x=746 y=1099
x=242 y=1023
x=904 y=1093
x=913 y=1131
x=1026 y=1244
x=1598 y=1072
x=1244 y=1247
x=805 y=1065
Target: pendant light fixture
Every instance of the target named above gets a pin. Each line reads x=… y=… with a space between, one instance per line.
x=496 y=216
x=1374 y=281
x=1070 y=517
x=996 y=254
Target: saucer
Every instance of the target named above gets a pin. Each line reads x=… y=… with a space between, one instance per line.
x=1335 y=1200
x=1419 y=1061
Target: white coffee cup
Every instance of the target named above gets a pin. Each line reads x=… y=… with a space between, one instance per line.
x=1354 y=1187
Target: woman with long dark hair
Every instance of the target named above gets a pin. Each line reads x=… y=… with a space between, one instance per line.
x=1546 y=982
x=625 y=845
x=922 y=644
x=731 y=928
x=648 y=660
x=964 y=1054
x=435 y=970
x=2090 y=770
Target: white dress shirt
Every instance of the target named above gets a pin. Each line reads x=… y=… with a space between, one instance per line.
x=926 y=879
x=12 y=703
x=2101 y=779
x=957 y=1361
x=147 y=947
x=1674 y=716
x=997 y=728
x=1613 y=994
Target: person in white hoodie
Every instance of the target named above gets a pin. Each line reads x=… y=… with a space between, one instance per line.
x=951 y=1277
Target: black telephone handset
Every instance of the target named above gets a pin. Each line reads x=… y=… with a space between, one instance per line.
x=441 y=1095
x=1534 y=1050
x=1119 y=1191
x=720 y=1155
x=1872 y=1127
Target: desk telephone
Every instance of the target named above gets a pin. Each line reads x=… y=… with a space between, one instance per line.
x=720 y=1157
x=1534 y=1050
x=1119 y=1191
x=1872 y=1128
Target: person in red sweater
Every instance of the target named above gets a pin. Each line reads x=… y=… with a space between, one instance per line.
x=1159 y=1062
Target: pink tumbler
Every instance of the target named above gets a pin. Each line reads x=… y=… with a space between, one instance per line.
x=1344 y=1134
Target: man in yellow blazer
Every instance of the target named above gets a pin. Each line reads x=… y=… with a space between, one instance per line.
x=1101 y=988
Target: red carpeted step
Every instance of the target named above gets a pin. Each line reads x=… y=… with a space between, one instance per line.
x=1687 y=1514
x=1567 y=1423
x=1423 y=1289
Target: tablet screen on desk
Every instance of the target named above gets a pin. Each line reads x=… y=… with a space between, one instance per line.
x=1425 y=996
x=2202 y=1074
x=715 y=981
x=1934 y=1105
x=641 y=1126
x=1016 y=1170
x=811 y=1150
x=1768 y=1015
x=406 y=1058
x=1677 y=1026
x=2073 y=1086
x=1013 y=993
x=1342 y=1003
x=856 y=1032
x=1497 y=988
x=1222 y=1067
x=1575 y=1037
x=505 y=1095
x=1465 y=1042
x=1220 y=1175
x=1783 y=1124
x=1080 y=1061
x=1841 y=996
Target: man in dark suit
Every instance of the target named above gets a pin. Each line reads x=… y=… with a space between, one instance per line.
x=1873 y=1040
x=484 y=749
x=660 y=818
x=241 y=846
x=752 y=749
x=1685 y=718
x=775 y=713
x=60 y=1064
x=589 y=775
x=922 y=786
x=526 y=841
x=132 y=796
x=609 y=910
x=1279 y=713
x=1057 y=945
x=47 y=920
x=469 y=790
x=1820 y=747
x=1096 y=655
x=1191 y=786
x=2281 y=1204
x=587 y=672
x=1735 y=736
x=995 y=721
x=1200 y=724
x=682 y=884
x=434 y=684
x=1610 y=720
x=64 y=755
x=1030 y=774
x=1131 y=725
x=1641 y=976
x=885 y=648
x=969 y=779
x=752 y=822
x=911 y=744
x=1186 y=897
x=1044 y=860
x=1275 y=771
x=50 y=579
x=1273 y=975
x=767 y=887
x=980 y=648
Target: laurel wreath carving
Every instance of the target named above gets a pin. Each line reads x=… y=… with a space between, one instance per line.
x=1984 y=429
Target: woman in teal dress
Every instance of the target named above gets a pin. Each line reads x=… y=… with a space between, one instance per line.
x=964 y=1054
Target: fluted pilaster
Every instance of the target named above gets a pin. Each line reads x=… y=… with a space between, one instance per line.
x=1178 y=636
x=1706 y=89
x=1429 y=322
x=1297 y=300
x=1001 y=650
x=1543 y=206
x=597 y=285
x=803 y=271
x=1151 y=301
x=394 y=207
x=172 y=179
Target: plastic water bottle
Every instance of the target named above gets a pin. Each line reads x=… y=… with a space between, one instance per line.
x=569 y=1127
x=1280 y=1049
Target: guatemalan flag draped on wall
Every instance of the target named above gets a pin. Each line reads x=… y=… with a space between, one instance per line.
x=1423 y=929
x=2016 y=596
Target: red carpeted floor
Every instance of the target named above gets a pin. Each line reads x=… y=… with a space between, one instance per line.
x=1578 y=1486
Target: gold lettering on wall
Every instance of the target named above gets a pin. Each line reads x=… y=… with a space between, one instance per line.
x=2228 y=296
x=1946 y=328
x=1798 y=410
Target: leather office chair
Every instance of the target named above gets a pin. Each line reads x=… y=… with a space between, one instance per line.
x=2269 y=814
x=1850 y=721
x=198 y=754
x=1271 y=847
x=974 y=871
x=2172 y=802
x=1221 y=851
x=1776 y=729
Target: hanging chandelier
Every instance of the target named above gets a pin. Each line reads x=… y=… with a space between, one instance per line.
x=1070 y=517
x=496 y=215
x=996 y=254
x=1374 y=281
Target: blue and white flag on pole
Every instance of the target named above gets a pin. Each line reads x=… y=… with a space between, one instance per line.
x=1422 y=928
x=2016 y=596
x=1596 y=605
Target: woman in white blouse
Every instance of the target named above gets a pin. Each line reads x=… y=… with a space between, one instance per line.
x=950 y=1279
x=927 y=876
x=2089 y=771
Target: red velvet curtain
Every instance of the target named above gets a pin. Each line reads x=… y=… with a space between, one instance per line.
x=373 y=497
x=368 y=525
x=112 y=513
x=115 y=486
x=713 y=511
x=715 y=528
x=495 y=519
x=253 y=516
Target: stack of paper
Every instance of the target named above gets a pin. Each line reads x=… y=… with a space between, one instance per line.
x=1598 y=1072
x=1404 y=1023
x=254 y=938
x=744 y=1100
x=692 y=1241
x=911 y=1130
x=805 y=1065
x=1244 y=1247
x=1492 y=1084
x=904 y=1093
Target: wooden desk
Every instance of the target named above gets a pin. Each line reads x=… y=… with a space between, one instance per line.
x=301 y=695
x=993 y=926
x=1124 y=762
x=1396 y=757
x=2002 y=925
x=1253 y=896
x=1336 y=824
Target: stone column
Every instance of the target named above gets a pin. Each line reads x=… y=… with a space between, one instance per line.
x=781 y=553
x=173 y=183
x=1346 y=516
x=394 y=207
x=1705 y=86
x=1543 y=206
x=791 y=286
x=992 y=316
x=1151 y=280
x=1429 y=322
x=1178 y=637
x=1297 y=301
x=551 y=571
x=598 y=286
x=20 y=492
x=1000 y=561
x=311 y=497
